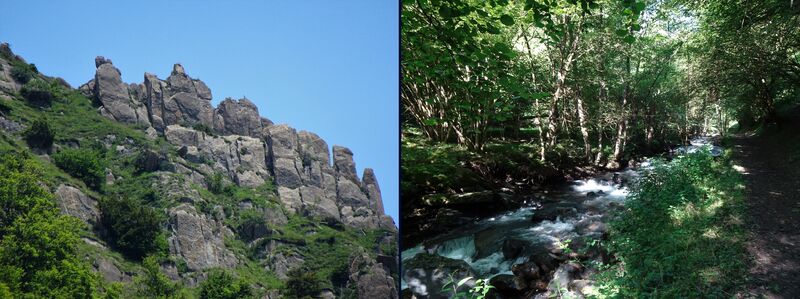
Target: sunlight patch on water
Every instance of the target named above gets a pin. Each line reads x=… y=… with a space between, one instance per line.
x=519 y=214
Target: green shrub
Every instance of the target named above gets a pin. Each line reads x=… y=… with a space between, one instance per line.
x=680 y=235
x=215 y=183
x=86 y=165
x=19 y=191
x=22 y=72
x=133 y=228
x=154 y=284
x=203 y=128
x=222 y=285
x=4 y=106
x=303 y=284
x=39 y=134
x=38 y=92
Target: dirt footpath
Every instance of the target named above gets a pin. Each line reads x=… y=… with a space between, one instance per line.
x=773 y=212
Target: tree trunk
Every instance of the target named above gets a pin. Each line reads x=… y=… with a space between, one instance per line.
x=537 y=121
x=584 y=130
x=622 y=125
x=567 y=55
x=599 y=158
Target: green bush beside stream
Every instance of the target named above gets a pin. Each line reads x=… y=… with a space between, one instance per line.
x=681 y=233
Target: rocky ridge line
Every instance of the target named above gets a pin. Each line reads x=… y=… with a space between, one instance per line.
x=247 y=148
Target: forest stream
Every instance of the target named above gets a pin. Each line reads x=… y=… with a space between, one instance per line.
x=552 y=231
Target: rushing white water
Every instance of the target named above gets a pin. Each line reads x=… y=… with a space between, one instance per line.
x=480 y=244
x=460 y=249
x=517 y=224
x=593 y=185
x=699 y=143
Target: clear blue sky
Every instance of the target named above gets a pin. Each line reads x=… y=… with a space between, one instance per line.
x=329 y=67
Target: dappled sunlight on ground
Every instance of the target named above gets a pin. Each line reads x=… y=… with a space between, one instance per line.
x=740 y=169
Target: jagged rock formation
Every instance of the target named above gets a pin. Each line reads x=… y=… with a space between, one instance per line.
x=118 y=104
x=240 y=117
x=241 y=158
x=7 y=82
x=249 y=150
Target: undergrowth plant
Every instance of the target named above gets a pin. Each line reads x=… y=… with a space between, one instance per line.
x=680 y=235
x=479 y=290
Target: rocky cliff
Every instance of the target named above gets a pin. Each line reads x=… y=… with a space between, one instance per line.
x=231 y=144
x=247 y=148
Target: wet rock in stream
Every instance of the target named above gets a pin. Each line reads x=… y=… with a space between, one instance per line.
x=509 y=286
x=555 y=211
x=513 y=247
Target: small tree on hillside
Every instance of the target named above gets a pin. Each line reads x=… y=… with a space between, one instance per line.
x=39 y=135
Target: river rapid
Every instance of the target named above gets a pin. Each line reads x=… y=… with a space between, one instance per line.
x=548 y=235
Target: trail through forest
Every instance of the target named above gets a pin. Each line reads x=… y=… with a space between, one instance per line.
x=773 y=206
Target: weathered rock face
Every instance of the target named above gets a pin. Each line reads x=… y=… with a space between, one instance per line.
x=7 y=82
x=359 y=202
x=376 y=283
x=198 y=239
x=73 y=202
x=115 y=96
x=371 y=278
x=343 y=162
x=373 y=191
x=241 y=158
x=281 y=264
x=240 y=117
x=283 y=145
x=110 y=271
x=305 y=179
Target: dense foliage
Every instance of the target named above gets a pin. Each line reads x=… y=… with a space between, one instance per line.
x=215 y=184
x=249 y=223
x=681 y=233
x=84 y=164
x=39 y=135
x=154 y=284
x=595 y=81
x=133 y=228
x=303 y=284
x=38 y=248
x=223 y=285
x=21 y=71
